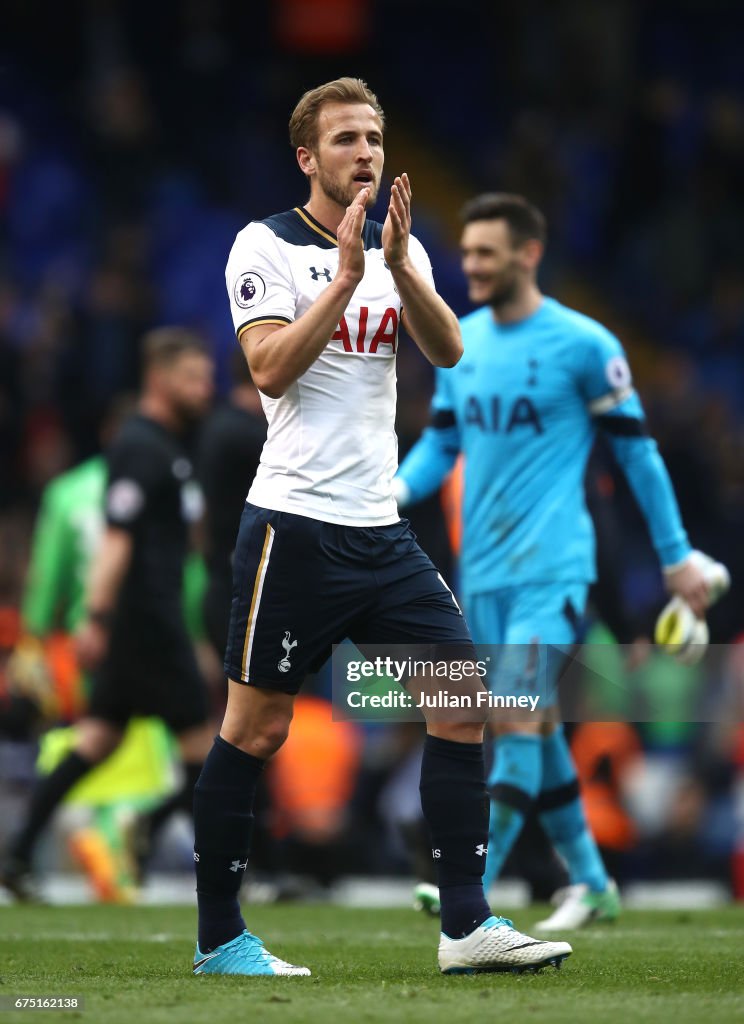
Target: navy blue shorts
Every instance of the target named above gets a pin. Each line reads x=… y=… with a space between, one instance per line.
x=150 y=669
x=301 y=585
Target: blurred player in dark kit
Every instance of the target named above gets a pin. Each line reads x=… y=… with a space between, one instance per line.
x=133 y=637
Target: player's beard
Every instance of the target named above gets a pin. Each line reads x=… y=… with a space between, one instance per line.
x=343 y=195
x=189 y=411
x=505 y=290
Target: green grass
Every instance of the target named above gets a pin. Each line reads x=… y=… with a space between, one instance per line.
x=133 y=964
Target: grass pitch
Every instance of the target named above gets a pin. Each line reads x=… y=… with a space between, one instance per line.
x=133 y=964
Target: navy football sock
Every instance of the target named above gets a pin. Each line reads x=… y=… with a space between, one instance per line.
x=49 y=793
x=455 y=806
x=223 y=824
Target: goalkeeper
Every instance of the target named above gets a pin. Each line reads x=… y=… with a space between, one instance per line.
x=536 y=382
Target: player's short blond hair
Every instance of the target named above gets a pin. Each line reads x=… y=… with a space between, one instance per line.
x=303 y=124
x=163 y=346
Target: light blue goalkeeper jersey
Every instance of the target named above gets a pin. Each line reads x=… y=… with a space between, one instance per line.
x=523 y=405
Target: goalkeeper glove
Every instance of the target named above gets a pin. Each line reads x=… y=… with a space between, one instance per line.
x=678 y=631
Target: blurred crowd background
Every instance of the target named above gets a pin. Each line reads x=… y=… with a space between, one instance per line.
x=137 y=138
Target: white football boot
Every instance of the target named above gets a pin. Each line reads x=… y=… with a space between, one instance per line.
x=496 y=946
x=580 y=906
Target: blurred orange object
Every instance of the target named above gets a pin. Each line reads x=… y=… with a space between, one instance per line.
x=451 y=497
x=90 y=850
x=67 y=678
x=602 y=752
x=313 y=774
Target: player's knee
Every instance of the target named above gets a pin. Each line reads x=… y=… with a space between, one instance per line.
x=256 y=720
x=259 y=739
x=272 y=736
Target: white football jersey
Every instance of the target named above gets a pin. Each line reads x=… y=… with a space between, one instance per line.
x=331 y=451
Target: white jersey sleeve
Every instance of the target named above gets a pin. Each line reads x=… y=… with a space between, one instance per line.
x=259 y=280
x=420 y=260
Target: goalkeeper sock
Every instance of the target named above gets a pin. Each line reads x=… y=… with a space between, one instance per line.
x=513 y=784
x=562 y=815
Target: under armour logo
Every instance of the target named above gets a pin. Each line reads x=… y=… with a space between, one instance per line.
x=481 y=850
x=317 y=274
x=238 y=866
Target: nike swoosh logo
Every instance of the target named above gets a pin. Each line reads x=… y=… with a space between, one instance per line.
x=204 y=959
x=538 y=942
